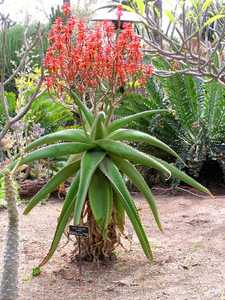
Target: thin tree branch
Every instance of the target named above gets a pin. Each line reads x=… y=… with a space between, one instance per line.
x=28 y=47
x=190 y=43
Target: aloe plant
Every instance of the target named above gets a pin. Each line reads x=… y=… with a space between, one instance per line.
x=98 y=197
x=91 y=67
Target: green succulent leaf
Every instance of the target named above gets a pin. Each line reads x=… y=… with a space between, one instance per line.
x=100 y=197
x=68 y=135
x=135 y=135
x=128 y=169
x=119 y=212
x=89 y=163
x=112 y=173
x=175 y=172
x=53 y=151
x=71 y=194
x=127 y=152
x=59 y=230
x=98 y=129
x=52 y=184
x=64 y=217
x=74 y=157
x=117 y=124
x=88 y=116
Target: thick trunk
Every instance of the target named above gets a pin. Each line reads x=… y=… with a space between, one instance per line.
x=95 y=247
x=9 y=284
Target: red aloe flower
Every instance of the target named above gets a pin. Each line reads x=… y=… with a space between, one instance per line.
x=66 y=9
x=93 y=59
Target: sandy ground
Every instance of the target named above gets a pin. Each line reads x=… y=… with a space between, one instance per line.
x=189 y=256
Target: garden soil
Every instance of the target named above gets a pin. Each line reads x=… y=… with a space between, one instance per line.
x=189 y=256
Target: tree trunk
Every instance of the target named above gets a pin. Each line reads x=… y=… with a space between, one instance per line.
x=9 y=284
x=95 y=247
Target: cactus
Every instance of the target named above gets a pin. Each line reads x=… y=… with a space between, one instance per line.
x=9 y=283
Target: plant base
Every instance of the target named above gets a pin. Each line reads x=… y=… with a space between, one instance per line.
x=95 y=248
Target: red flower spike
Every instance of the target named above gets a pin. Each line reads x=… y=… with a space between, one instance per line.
x=66 y=9
x=83 y=58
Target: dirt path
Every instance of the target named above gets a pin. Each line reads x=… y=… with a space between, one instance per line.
x=189 y=256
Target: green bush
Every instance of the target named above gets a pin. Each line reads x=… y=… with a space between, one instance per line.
x=195 y=124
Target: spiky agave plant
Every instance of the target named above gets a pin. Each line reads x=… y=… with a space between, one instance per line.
x=98 y=197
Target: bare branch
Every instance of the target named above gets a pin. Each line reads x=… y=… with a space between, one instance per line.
x=195 y=39
x=28 y=48
x=38 y=90
x=23 y=110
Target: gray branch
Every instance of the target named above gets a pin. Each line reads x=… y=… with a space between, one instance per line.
x=5 y=24
x=197 y=48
